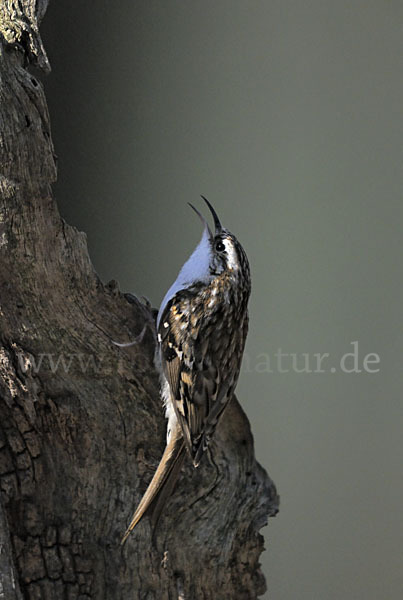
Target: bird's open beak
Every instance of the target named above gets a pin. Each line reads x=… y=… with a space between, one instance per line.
x=202 y=219
x=218 y=226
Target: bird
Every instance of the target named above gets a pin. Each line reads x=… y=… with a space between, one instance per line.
x=201 y=327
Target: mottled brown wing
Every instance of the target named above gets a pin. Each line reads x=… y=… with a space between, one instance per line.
x=193 y=383
x=226 y=332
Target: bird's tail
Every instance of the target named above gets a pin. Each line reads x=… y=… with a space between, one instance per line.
x=162 y=484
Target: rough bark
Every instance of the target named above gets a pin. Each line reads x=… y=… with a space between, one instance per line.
x=81 y=425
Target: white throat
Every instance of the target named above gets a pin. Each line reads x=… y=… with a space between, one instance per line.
x=196 y=268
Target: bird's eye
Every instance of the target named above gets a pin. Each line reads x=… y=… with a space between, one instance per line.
x=219 y=247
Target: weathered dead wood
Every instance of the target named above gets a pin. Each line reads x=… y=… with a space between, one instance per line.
x=81 y=426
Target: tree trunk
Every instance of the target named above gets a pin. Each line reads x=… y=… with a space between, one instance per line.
x=82 y=427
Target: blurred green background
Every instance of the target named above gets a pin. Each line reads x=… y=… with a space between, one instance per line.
x=288 y=116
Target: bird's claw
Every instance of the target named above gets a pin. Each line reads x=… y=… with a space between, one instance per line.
x=137 y=340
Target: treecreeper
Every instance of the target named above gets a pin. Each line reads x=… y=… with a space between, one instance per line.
x=202 y=326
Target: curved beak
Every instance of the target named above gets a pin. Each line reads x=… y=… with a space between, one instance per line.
x=218 y=226
x=202 y=219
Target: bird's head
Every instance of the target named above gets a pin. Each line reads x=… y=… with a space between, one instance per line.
x=221 y=248
x=217 y=254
